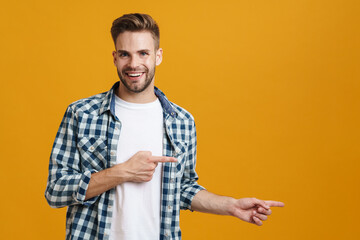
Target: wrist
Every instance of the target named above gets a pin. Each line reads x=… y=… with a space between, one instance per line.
x=119 y=172
x=230 y=206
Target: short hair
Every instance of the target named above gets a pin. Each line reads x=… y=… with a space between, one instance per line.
x=136 y=22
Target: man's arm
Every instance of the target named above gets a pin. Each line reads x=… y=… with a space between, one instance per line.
x=195 y=197
x=139 y=168
x=68 y=184
x=189 y=186
x=251 y=210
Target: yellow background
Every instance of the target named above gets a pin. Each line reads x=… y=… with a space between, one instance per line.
x=273 y=85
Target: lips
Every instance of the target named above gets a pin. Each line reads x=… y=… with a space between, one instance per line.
x=134 y=75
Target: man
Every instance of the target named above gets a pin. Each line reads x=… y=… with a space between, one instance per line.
x=123 y=161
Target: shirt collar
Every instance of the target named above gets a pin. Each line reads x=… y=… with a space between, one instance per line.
x=109 y=101
x=165 y=103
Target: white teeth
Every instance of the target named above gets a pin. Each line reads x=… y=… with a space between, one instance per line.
x=134 y=74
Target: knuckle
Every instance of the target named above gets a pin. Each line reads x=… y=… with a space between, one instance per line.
x=145 y=153
x=151 y=168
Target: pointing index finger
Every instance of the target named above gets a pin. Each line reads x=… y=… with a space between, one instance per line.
x=163 y=159
x=261 y=203
x=275 y=203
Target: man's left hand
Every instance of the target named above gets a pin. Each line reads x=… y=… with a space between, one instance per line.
x=253 y=210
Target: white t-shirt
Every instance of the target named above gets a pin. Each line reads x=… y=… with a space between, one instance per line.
x=136 y=211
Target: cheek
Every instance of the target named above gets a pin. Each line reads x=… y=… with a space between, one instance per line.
x=120 y=64
x=152 y=62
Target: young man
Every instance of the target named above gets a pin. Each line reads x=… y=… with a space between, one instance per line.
x=123 y=161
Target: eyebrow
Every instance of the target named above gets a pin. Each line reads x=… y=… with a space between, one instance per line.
x=142 y=50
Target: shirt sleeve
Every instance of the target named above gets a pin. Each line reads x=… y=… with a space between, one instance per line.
x=67 y=184
x=189 y=185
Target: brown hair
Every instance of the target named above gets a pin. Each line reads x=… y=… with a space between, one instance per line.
x=136 y=22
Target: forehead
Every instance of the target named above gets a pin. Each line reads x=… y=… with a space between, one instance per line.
x=133 y=41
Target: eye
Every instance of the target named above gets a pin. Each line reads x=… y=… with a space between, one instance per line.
x=123 y=54
x=144 y=53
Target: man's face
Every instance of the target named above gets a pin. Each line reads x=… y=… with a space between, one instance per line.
x=135 y=59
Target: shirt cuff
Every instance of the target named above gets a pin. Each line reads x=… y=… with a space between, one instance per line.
x=83 y=186
x=188 y=195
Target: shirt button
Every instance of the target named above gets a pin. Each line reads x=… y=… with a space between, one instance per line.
x=171 y=180
x=92 y=148
x=169 y=207
x=112 y=153
x=116 y=128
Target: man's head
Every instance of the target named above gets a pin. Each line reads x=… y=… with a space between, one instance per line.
x=136 y=22
x=137 y=52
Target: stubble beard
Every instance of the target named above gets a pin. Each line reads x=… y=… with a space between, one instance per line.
x=137 y=88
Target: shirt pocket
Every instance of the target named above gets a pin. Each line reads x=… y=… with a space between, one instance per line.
x=93 y=153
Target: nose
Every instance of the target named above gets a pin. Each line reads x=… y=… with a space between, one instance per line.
x=133 y=62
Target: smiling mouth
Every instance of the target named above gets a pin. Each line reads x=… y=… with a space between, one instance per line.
x=134 y=75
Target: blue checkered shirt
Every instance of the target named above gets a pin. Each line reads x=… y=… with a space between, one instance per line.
x=86 y=143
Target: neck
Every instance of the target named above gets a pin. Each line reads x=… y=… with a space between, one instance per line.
x=145 y=96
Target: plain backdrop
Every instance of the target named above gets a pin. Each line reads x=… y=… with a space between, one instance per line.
x=273 y=86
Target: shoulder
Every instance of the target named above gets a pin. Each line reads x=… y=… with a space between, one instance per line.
x=89 y=105
x=184 y=117
x=182 y=112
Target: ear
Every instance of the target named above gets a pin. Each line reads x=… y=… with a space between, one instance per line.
x=114 y=57
x=158 y=56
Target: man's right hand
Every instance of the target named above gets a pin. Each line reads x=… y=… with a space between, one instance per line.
x=141 y=166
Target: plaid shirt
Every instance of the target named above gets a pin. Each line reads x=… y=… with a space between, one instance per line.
x=86 y=143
